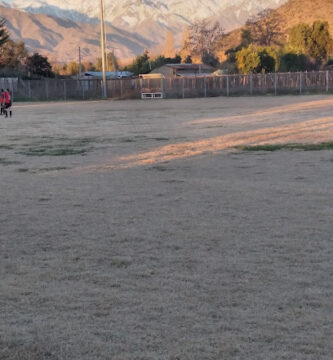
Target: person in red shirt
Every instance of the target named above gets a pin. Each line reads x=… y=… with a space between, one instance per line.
x=8 y=103
x=2 y=101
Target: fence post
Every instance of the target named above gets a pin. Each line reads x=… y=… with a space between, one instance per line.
x=275 y=83
x=141 y=87
x=327 y=79
x=121 y=88
x=162 y=88
x=29 y=89
x=65 y=90
x=183 y=86
x=205 y=85
x=46 y=89
x=227 y=85
x=251 y=84
x=12 y=90
x=300 y=83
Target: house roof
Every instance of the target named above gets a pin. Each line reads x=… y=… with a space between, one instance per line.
x=152 y=76
x=109 y=74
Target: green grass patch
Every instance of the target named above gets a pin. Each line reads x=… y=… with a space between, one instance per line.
x=161 y=139
x=276 y=147
x=5 y=147
x=8 y=162
x=128 y=140
x=159 y=168
x=55 y=168
x=53 y=151
x=41 y=170
x=57 y=147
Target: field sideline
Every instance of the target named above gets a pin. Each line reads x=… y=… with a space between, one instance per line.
x=153 y=230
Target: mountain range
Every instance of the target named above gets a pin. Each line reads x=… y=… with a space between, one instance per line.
x=57 y=27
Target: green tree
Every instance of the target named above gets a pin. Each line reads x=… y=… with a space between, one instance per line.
x=39 y=65
x=246 y=38
x=256 y=60
x=320 y=40
x=210 y=59
x=73 y=68
x=299 y=38
x=141 y=64
x=173 y=60
x=314 y=41
x=275 y=53
x=267 y=61
x=111 y=63
x=188 y=60
x=161 y=60
x=4 y=36
x=158 y=61
x=248 y=60
x=291 y=62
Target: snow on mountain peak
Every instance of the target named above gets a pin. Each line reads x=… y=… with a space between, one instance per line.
x=132 y=13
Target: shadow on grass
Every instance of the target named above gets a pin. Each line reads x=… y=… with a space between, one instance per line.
x=275 y=147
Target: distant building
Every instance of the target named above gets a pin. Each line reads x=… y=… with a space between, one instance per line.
x=184 y=70
x=109 y=75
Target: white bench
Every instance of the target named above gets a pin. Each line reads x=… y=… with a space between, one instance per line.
x=152 y=95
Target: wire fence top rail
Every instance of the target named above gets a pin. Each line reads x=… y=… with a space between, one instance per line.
x=172 y=87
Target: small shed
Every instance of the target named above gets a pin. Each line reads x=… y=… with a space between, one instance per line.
x=184 y=70
x=152 y=86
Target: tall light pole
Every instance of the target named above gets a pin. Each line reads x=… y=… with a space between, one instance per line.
x=104 y=93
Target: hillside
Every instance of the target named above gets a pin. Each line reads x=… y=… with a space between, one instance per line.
x=288 y=15
x=60 y=38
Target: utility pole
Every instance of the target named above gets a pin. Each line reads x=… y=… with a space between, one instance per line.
x=80 y=63
x=114 y=63
x=104 y=94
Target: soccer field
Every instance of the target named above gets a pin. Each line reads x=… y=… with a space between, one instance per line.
x=143 y=230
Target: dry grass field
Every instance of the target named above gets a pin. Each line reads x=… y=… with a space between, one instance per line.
x=143 y=230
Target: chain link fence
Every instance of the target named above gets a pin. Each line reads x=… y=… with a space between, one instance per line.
x=178 y=87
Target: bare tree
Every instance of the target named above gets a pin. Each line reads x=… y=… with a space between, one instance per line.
x=203 y=38
x=265 y=28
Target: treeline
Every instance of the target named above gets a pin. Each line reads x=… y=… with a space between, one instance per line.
x=265 y=48
x=73 y=68
x=262 y=47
